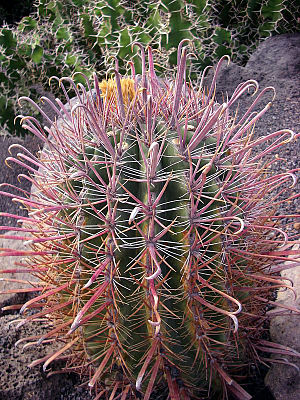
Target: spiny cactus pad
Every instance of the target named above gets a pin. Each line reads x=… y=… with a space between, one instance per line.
x=153 y=230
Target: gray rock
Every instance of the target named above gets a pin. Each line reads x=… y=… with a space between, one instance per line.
x=278 y=57
x=8 y=263
x=282 y=379
x=11 y=175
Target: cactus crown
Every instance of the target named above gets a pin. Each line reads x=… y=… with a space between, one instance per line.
x=109 y=89
x=152 y=227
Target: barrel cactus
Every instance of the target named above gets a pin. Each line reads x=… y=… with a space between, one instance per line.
x=154 y=232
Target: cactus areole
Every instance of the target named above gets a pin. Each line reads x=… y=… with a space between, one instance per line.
x=153 y=229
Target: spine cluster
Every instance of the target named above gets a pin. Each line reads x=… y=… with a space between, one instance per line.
x=153 y=230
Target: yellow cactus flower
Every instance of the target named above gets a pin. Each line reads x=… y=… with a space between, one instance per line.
x=109 y=89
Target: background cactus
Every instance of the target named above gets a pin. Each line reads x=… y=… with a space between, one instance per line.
x=154 y=231
x=61 y=38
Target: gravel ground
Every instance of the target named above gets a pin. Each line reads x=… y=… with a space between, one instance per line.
x=275 y=63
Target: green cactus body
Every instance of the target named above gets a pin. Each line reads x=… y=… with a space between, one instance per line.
x=151 y=224
x=164 y=183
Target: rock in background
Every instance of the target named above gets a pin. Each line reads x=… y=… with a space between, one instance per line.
x=7 y=264
x=276 y=63
x=284 y=380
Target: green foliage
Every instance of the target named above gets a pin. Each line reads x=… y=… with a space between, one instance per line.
x=63 y=37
